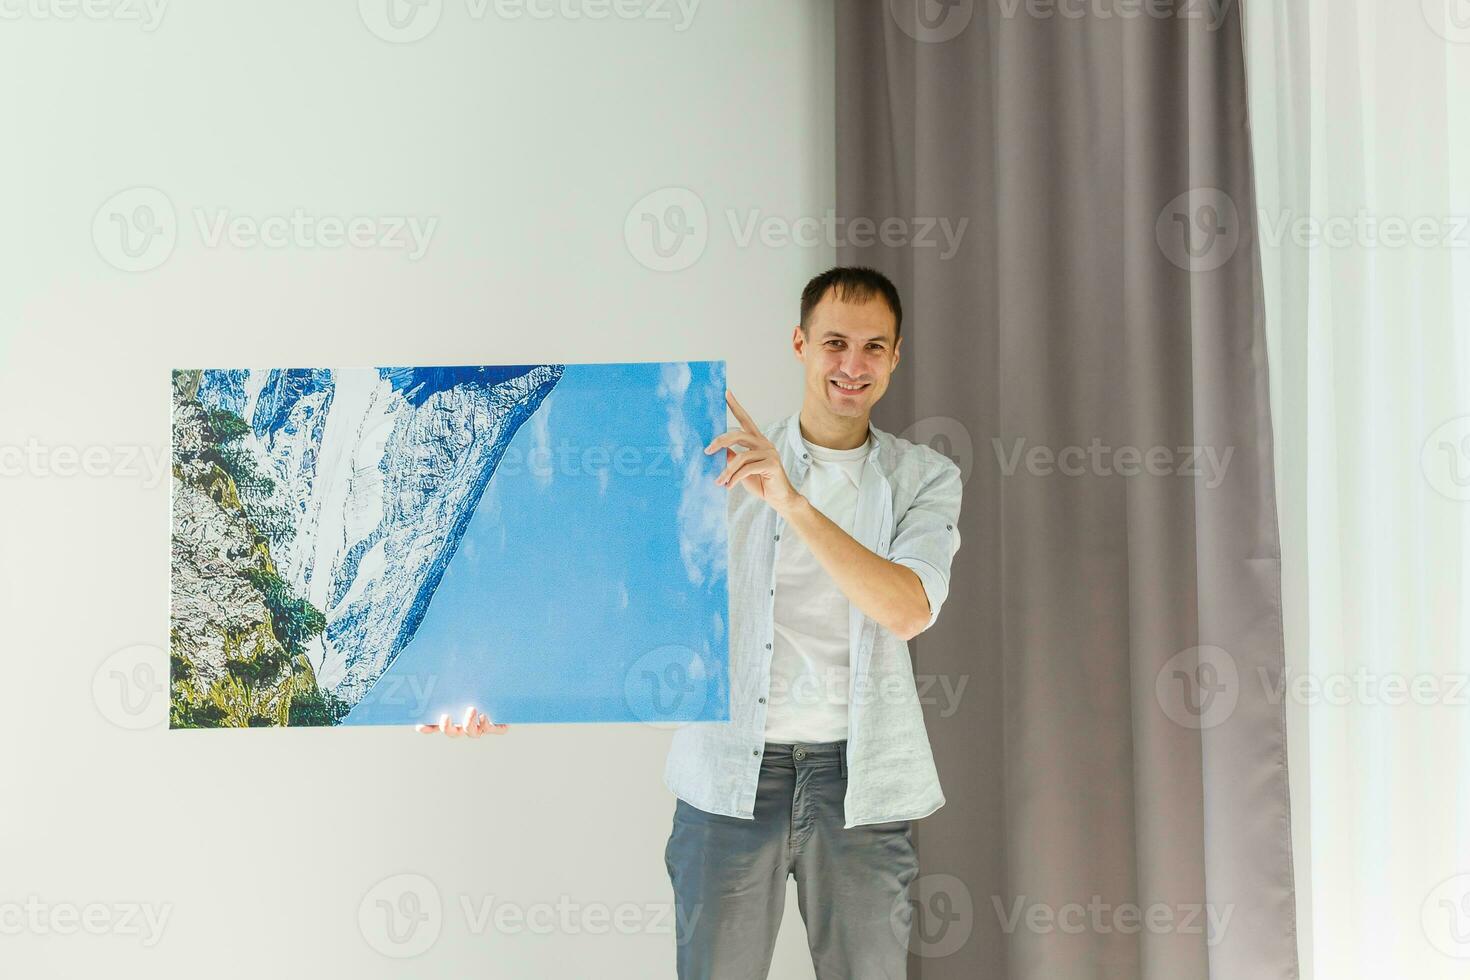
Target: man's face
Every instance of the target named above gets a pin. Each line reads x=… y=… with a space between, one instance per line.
x=849 y=353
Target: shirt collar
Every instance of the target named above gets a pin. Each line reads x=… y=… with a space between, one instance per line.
x=799 y=458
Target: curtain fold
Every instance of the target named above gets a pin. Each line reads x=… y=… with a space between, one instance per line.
x=1092 y=354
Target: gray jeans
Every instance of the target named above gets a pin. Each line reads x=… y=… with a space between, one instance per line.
x=729 y=876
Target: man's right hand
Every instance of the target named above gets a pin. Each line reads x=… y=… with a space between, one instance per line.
x=475 y=724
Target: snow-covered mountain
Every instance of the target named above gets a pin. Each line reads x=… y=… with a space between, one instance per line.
x=376 y=475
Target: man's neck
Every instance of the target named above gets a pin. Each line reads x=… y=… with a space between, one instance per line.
x=822 y=428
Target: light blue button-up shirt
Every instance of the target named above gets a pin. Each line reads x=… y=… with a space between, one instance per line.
x=908 y=512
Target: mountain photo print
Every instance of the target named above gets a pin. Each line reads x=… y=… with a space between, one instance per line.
x=380 y=546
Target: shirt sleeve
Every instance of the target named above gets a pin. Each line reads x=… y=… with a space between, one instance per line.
x=927 y=534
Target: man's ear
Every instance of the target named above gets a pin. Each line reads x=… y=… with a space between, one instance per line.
x=798 y=342
x=897 y=349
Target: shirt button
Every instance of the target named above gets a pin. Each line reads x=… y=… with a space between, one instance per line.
x=761 y=700
x=949 y=527
x=768 y=646
x=777 y=538
x=755 y=751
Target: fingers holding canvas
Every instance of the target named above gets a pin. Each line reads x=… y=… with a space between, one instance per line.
x=746 y=422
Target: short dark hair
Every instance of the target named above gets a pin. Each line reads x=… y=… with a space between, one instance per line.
x=853 y=282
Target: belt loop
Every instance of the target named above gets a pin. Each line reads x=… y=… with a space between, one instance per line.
x=842 y=759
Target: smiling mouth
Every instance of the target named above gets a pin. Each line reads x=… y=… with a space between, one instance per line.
x=848 y=389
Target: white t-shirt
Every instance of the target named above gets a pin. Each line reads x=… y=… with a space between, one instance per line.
x=807 y=701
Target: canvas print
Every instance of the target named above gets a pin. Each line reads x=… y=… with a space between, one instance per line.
x=365 y=546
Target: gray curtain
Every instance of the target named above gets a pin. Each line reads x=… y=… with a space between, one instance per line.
x=1092 y=354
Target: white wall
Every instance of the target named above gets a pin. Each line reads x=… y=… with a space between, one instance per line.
x=529 y=140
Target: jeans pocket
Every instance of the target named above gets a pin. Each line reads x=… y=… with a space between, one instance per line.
x=669 y=844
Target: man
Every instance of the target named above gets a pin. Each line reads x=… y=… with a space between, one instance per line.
x=841 y=539
x=841 y=542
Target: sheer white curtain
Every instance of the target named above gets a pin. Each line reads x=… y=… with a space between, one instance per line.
x=1360 y=113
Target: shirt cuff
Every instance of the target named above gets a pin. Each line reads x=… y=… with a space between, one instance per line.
x=935 y=586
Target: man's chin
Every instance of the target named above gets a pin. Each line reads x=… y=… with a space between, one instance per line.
x=848 y=407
